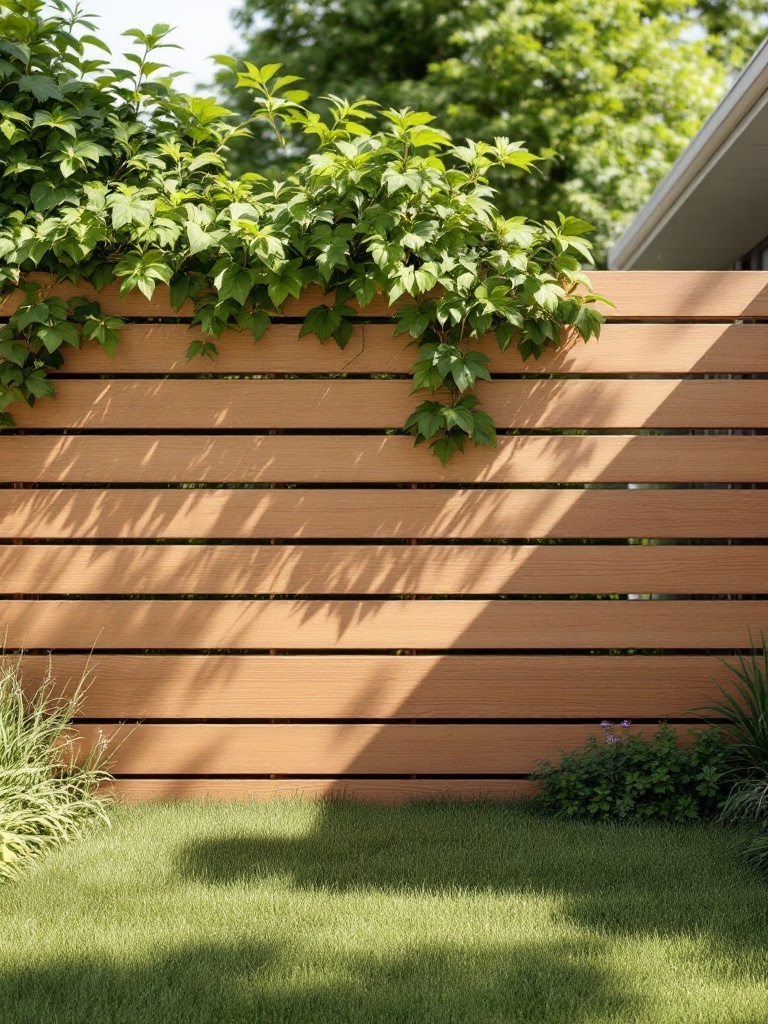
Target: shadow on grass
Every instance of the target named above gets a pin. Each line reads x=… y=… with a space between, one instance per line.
x=617 y=879
x=556 y=955
x=263 y=983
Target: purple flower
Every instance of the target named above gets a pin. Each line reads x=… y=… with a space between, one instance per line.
x=614 y=739
x=605 y=724
x=626 y=723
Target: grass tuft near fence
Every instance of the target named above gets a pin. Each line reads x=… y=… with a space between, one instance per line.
x=45 y=797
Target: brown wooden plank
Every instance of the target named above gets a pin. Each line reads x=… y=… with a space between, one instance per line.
x=354 y=625
x=335 y=749
x=379 y=459
x=622 y=348
x=379 y=514
x=381 y=791
x=691 y=295
x=382 y=404
x=329 y=686
x=378 y=569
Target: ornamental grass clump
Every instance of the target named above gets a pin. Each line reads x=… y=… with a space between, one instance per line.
x=46 y=795
x=629 y=777
x=742 y=716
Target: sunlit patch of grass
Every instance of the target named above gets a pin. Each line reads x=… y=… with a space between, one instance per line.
x=313 y=913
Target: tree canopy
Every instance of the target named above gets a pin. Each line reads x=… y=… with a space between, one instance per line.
x=608 y=93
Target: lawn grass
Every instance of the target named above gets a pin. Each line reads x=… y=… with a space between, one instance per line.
x=440 y=913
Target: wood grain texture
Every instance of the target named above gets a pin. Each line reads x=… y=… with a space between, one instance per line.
x=362 y=686
x=335 y=749
x=698 y=294
x=382 y=791
x=376 y=625
x=238 y=459
x=379 y=569
x=127 y=513
x=622 y=348
x=374 y=405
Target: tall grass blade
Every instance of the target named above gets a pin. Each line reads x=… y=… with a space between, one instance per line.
x=47 y=794
x=741 y=712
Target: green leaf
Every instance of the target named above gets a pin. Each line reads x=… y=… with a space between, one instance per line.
x=444 y=447
x=426 y=421
x=257 y=323
x=143 y=272
x=395 y=180
x=504 y=336
x=317 y=322
x=343 y=333
x=364 y=290
x=460 y=417
x=202 y=348
x=14 y=351
x=54 y=337
x=106 y=331
x=326 y=322
x=199 y=240
x=411 y=320
x=35 y=313
x=426 y=376
x=588 y=322
x=477 y=364
x=206 y=160
x=548 y=295
x=42 y=87
x=483 y=429
x=236 y=284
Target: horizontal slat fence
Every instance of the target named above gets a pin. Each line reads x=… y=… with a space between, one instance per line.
x=281 y=595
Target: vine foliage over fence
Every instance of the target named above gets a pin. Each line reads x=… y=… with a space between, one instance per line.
x=110 y=173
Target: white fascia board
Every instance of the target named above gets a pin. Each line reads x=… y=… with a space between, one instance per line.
x=715 y=135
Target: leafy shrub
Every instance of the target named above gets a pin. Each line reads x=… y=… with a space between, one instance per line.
x=109 y=173
x=630 y=777
x=45 y=796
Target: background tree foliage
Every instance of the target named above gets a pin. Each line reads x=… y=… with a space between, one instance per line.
x=609 y=92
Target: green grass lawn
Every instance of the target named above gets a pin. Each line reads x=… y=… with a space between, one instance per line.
x=440 y=913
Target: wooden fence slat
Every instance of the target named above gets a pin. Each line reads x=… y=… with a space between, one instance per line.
x=380 y=459
x=128 y=513
x=378 y=625
x=335 y=749
x=690 y=295
x=374 y=405
x=622 y=348
x=377 y=569
x=375 y=716
x=361 y=686
x=382 y=791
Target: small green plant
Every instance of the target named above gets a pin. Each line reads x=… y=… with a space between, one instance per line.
x=46 y=795
x=630 y=777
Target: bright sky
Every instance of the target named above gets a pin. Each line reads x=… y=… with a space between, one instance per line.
x=203 y=27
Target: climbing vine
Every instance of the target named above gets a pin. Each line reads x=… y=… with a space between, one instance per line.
x=109 y=173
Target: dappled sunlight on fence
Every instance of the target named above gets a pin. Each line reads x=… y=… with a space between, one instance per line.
x=296 y=654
